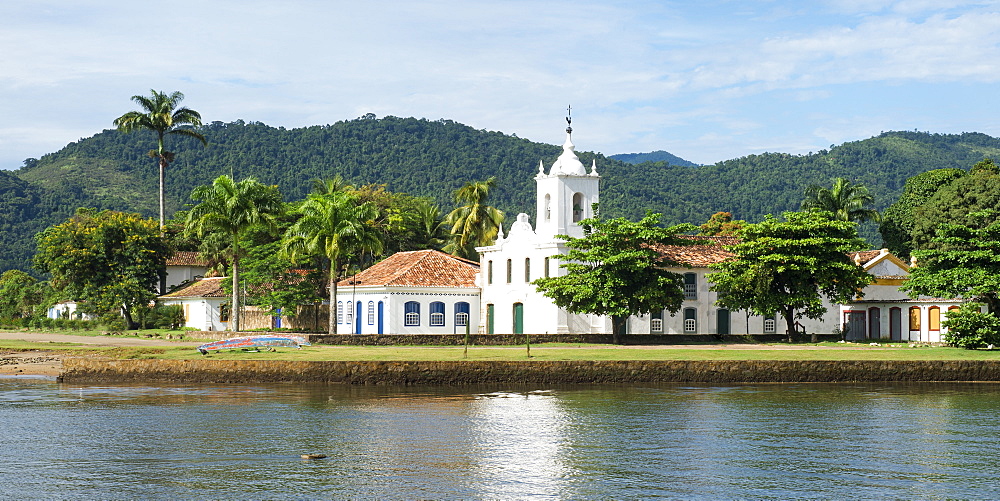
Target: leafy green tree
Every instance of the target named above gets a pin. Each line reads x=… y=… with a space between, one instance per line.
x=615 y=269
x=721 y=224
x=788 y=266
x=964 y=262
x=845 y=200
x=898 y=219
x=473 y=223
x=333 y=227
x=960 y=202
x=111 y=260
x=19 y=294
x=231 y=208
x=970 y=328
x=161 y=115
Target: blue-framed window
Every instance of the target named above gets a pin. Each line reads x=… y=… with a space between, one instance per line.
x=461 y=314
x=371 y=312
x=411 y=313
x=340 y=312
x=437 y=314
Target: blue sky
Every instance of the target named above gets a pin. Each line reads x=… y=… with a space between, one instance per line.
x=707 y=80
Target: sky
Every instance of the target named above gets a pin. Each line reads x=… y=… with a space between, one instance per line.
x=708 y=81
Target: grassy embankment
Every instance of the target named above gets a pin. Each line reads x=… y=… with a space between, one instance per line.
x=544 y=352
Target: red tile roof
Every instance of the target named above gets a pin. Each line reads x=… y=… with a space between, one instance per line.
x=205 y=287
x=700 y=255
x=186 y=258
x=864 y=256
x=425 y=268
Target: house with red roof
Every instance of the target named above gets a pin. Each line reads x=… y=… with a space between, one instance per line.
x=416 y=292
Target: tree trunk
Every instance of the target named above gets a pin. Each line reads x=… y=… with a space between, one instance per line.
x=332 y=323
x=789 y=315
x=129 y=323
x=234 y=315
x=618 y=329
x=163 y=231
x=163 y=177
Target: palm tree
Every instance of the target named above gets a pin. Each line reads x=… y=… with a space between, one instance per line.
x=161 y=115
x=845 y=200
x=473 y=223
x=229 y=207
x=332 y=226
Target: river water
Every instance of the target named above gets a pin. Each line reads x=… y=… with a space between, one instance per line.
x=778 y=441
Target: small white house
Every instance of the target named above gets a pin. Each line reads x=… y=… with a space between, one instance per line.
x=202 y=301
x=67 y=309
x=885 y=312
x=416 y=292
x=185 y=266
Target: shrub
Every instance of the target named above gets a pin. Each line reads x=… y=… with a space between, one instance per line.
x=970 y=328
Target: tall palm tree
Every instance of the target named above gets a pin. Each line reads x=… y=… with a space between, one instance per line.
x=161 y=115
x=845 y=200
x=231 y=207
x=332 y=226
x=473 y=223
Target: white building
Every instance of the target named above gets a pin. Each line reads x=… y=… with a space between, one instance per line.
x=510 y=304
x=202 y=301
x=416 y=292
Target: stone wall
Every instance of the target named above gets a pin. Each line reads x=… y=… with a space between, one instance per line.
x=79 y=369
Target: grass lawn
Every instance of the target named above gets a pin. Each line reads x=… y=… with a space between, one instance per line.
x=540 y=352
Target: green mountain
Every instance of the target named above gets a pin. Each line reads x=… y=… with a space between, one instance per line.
x=433 y=158
x=653 y=156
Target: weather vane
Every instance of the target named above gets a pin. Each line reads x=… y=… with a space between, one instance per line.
x=569 y=119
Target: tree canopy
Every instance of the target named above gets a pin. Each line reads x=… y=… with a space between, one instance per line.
x=898 y=220
x=231 y=208
x=473 y=223
x=161 y=115
x=332 y=226
x=787 y=266
x=847 y=201
x=110 y=260
x=615 y=269
x=963 y=262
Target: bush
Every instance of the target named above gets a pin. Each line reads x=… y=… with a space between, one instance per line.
x=970 y=328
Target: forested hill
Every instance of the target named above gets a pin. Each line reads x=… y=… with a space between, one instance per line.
x=433 y=158
x=653 y=156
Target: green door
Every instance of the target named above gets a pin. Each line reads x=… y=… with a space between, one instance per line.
x=489 y=319
x=722 y=322
x=518 y=318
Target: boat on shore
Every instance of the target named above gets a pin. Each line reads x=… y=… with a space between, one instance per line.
x=267 y=342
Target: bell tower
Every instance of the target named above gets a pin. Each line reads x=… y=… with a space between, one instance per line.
x=567 y=193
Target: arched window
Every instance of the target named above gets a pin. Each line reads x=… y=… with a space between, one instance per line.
x=914 y=318
x=769 y=325
x=340 y=312
x=350 y=312
x=934 y=318
x=548 y=207
x=656 y=322
x=489 y=272
x=510 y=271
x=371 y=312
x=577 y=207
x=461 y=314
x=690 y=320
x=411 y=313
x=527 y=269
x=437 y=314
x=690 y=286
x=546 y=268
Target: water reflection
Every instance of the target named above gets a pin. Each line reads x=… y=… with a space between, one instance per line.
x=677 y=441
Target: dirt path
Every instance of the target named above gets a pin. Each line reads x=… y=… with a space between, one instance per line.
x=49 y=363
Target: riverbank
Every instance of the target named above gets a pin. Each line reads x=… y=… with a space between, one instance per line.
x=89 y=369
